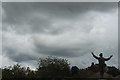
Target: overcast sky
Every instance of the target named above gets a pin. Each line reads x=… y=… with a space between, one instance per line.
x=66 y=30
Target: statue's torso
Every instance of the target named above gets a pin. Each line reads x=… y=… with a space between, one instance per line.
x=101 y=61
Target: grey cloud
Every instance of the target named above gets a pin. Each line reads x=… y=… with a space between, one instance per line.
x=119 y=35
x=23 y=14
x=23 y=57
x=62 y=51
x=16 y=55
x=52 y=20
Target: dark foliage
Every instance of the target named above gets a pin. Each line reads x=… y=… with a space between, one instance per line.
x=53 y=67
x=16 y=71
x=113 y=71
x=74 y=70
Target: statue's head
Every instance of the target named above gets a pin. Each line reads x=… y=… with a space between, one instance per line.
x=101 y=54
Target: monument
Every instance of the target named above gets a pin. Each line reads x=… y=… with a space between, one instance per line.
x=101 y=63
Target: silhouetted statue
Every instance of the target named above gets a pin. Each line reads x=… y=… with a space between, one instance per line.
x=74 y=70
x=102 y=64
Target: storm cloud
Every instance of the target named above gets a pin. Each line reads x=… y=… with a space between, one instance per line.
x=65 y=29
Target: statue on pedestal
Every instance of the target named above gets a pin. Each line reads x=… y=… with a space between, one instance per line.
x=101 y=64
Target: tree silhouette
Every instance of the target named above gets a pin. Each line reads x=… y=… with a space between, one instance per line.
x=53 y=66
x=74 y=70
x=15 y=71
x=113 y=71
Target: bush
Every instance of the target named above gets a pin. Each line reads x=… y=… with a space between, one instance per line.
x=53 y=66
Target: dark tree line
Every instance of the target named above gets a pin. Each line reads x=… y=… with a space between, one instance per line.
x=53 y=67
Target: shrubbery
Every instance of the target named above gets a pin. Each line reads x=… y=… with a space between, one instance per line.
x=53 y=67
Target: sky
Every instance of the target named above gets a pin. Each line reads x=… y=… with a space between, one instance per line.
x=60 y=0
x=66 y=30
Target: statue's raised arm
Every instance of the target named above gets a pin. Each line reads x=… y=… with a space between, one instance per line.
x=94 y=56
x=106 y=59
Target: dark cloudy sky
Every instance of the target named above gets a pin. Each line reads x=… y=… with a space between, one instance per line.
x=67 y=30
